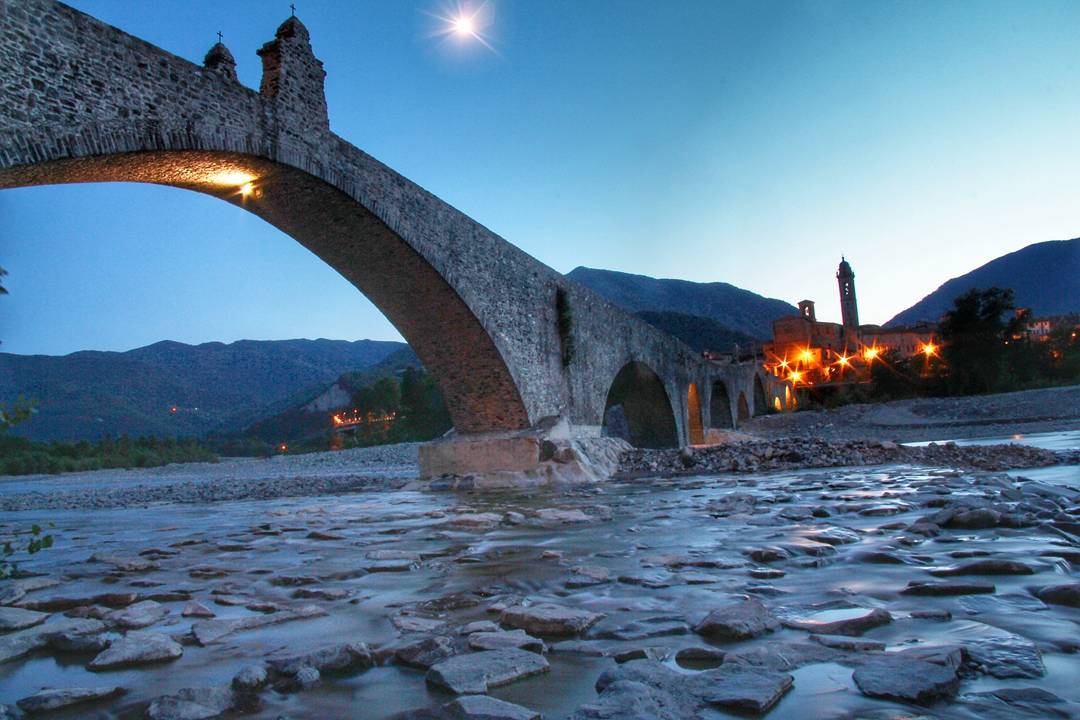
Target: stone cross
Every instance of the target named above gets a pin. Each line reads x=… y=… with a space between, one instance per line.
x=292 y=6
x=219 y=36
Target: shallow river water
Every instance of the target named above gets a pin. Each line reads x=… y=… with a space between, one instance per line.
x=674 y=549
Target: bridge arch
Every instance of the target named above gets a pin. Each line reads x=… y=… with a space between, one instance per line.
x=761 y=404
x=638 y=408
x=438 y=324
x=742 y=408
x=695 y=430
x=720 y=407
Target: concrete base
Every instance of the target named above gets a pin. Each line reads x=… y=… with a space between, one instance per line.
x=553 y=453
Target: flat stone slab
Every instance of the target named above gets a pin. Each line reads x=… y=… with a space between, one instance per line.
x=137 y=648
x=849 y=644
x=332 y=658
x=741 y=620
x=191 y=704
x=947 y=588
x=743 y=689
x=140 y=615
x=506 y=639
x=19 y=619
x=209 y=632
x=482 y=707
x=17 y=644
x=549 y=619
x=55 y=699
x=852 y=626
x=1067 y=594
x=476 y=673
x=907 y=679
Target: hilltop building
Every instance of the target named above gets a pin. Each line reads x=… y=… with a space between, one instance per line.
x=807 y=351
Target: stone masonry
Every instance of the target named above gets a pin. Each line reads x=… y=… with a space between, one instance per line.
x=81 y=101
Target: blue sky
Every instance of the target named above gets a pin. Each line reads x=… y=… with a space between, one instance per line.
x=746 y=142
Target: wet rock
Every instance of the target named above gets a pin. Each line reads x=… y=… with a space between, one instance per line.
x=549 y=619
x=766 y=573
x=56 y=699
x=293 y=580
x=478 y=672
x=1010 y=703
x=678 y=695
x=781 y=656
x=506 y=639
x=251 y=678
x=191 y=704
x=767 y=554
x=81 y=643
x=426 y=652
x=139 y=615
x=1067 y=594
x=587 y=576
x=15 y=591
x=320 y=535
x=329 y=659
x=934 y=615
x=208 y=632
x=879 y=557
x=320 y=594
x=635 y=701
x=21 y=642
x=947 y=588
x=417 y=624
x=741 y=620
x=977 y=519
x=194 y=608
x=695 y=656
x=479 y=626
x=19 y=619
x=554 y=516
x=1003 y=654
x=848 y=626
x=643 y=629
x=588 y=648
x=907 y=679
x=482 y=707
x=835 y=536
x=847 y=643
x=137 y=648
x=986 y=567
x=641 y=653
x=305 y=678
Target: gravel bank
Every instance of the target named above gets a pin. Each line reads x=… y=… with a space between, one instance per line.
x=1029 y=411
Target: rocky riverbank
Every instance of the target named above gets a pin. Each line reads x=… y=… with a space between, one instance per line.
x=795 y=453
x=879 y=592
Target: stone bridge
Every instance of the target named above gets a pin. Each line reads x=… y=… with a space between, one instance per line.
x=512 y=343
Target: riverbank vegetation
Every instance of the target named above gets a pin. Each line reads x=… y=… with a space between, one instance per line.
x=19 y=456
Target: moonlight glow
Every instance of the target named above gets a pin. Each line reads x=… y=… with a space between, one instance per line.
x=467 y=23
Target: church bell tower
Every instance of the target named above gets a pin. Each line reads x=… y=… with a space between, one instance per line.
x=849 y=308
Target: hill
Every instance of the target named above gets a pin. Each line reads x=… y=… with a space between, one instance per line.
x=1044 y=277
x=733 y=308
x=700 y=333
x=86 y=395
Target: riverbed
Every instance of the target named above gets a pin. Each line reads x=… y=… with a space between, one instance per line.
x=646 y=560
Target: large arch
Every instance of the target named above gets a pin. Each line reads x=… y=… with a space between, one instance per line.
x=479 y=389
x=761 y=404
x=720 y=407
x=639 y=410
x=695 y=431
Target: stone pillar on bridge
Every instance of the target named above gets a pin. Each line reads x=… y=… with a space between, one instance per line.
x=293 y=79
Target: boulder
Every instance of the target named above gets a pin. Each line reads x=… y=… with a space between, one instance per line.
x=55 y=699
x=482 y=707
x=330 y=659
x=741 y=620
x=478 y=672
x=906 y=679
x=1065 y=594
x=549 y=619
x=986 y=567
x=849 y=626
x=140 y=615
x=191 y=704
x=137 y=648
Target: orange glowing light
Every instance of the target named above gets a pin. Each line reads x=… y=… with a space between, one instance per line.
x=234 y=177
x=795 y=376
x=844 y=360
x=783 y=363
x=283 y=447
x=929 y=349
x=806 y=355
x=246 y=189
x=173 y=409
x=871 y=353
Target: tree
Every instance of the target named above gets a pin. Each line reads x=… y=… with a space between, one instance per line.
x=974 y=334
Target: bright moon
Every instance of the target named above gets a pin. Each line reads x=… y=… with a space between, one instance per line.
x=464 y=26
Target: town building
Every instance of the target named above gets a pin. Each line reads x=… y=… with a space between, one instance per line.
x=807 y=351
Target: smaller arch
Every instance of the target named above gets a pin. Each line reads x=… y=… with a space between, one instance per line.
x=639 y=410
x=743 y=408
x=720 y=407
x=695 y=428
x=761 y=405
